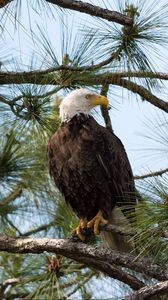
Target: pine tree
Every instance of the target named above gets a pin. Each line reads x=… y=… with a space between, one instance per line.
x=109 y=52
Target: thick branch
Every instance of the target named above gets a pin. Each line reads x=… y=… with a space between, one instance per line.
x=78 y=250
x=114 y=272
x=152 y=174
x=147 y=292
x=41 y=78
x=93 y=11
x=104 y=78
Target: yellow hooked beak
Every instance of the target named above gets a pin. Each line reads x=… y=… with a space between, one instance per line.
x=99 y=100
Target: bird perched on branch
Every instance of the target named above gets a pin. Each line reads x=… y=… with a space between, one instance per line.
x=91 y=169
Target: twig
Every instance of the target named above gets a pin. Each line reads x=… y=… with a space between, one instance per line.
x=78 y=286
x=34 y=76
x=38 y=229
x=76 y=251
x=5 y=284
x=93 y=10
x=12 y=196
x=147 y=292
x=3 y=100
x=152 y=174
x=13 y=226
x=105 y=111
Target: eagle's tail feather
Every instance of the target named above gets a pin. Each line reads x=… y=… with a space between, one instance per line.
x=119 y=241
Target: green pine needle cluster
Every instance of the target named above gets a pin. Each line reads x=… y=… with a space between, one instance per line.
x=30 y=204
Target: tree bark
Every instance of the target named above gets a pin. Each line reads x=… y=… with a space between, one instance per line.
x=148 y=292
x=42 y=78
x=93 y=10
x=82 y=253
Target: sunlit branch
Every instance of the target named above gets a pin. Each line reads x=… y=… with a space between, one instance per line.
x=152 y=174
x=77 y=251
x=147 y=292
x=93 y=10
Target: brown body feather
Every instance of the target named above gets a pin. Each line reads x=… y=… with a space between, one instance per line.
x=90 y=167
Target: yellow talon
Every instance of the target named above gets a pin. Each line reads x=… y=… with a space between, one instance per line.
x=79 y=228
x=96 y=222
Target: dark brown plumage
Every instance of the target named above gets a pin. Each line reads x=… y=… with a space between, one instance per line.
x=90 y=167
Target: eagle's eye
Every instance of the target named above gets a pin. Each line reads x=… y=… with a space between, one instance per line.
x=87 y=96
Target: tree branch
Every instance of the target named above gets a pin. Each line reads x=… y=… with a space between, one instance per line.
x=12 y=196
x=114 y=272
x=38 y=229
x=87 y=8
x=152 y=174
x=147 y=292
x=143 y=92
x=136 y=74
x=4 y=285
x=21 y=77
x=93 y=10
x=78 y=251
x=41 y=78
x=104 y=110
x=4 y=2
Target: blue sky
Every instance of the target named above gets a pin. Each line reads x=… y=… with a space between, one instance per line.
x=128 y=114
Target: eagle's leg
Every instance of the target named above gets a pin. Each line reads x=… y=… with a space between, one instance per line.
x=96 y=222
x=78 y=230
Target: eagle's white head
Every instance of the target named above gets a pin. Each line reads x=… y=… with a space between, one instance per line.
x=80 y=101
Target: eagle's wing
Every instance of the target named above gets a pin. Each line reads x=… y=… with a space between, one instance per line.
x=116 y=167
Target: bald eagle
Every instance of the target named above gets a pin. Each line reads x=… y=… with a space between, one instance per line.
x=91 y=169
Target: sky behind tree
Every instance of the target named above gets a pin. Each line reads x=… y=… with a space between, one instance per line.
x=23 y=40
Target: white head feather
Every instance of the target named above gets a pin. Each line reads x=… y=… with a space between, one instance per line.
x=79 y=101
